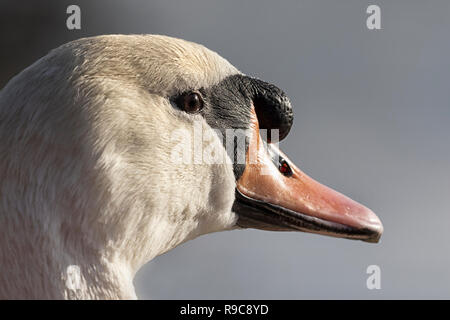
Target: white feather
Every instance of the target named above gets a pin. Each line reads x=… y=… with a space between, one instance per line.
x=85 y=176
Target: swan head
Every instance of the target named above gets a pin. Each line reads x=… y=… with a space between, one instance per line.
x=126 y=146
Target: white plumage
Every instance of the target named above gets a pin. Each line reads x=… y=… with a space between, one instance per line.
x=84 y=172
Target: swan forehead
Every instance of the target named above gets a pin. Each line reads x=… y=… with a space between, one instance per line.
x=159 y=64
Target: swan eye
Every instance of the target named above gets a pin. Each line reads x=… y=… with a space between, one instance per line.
x=191 y=102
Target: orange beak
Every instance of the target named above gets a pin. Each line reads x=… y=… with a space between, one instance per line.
x=273 y=194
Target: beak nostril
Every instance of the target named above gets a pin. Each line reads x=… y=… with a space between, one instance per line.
x=279 y=161
x=285 y=168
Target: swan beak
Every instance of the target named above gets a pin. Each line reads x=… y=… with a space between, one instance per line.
x=273 y=194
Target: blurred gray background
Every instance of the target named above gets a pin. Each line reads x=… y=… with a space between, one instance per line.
x=372 y=120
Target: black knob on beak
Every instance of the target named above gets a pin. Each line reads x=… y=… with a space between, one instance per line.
x=272 y=107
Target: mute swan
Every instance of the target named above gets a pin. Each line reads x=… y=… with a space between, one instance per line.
x=87 y=187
